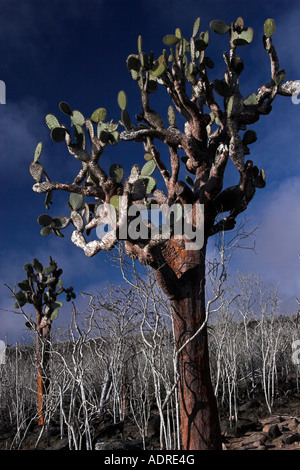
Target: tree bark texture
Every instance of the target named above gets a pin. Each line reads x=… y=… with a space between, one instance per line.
x=42 y=353
x=200 y=426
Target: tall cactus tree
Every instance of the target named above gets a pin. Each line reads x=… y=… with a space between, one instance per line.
x=41 y=288
x=212 y=134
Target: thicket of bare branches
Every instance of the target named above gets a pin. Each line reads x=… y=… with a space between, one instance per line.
x=118 y=360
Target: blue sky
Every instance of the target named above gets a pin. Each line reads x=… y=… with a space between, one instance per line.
x=75 y=51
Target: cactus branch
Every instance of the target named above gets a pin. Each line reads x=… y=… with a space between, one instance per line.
x=92 y=191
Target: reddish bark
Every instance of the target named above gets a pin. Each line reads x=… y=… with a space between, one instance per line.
x=200 y=427
x=42 y=353
x=40 y=394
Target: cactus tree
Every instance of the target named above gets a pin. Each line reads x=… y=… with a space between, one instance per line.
x=41 y=288
x=212 y=134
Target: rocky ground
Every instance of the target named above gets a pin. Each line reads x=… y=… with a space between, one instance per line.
x=255 y=429
x=272 y=433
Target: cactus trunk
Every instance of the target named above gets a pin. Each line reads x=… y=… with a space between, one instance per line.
x=200 y=426
x=42 y=354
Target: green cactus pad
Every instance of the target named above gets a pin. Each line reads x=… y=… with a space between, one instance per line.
x=99 y=115
x=245 y=37
x=54 y=314
x=57 y=304
x=122 y=100
x=133 y=63
x=24 y=285
x=28 y=268
x=249 y=137
x=60 y=222
x=200 y=45
x=37 y=265
x=219 y=26
x=157 y=69
x=178 y=33
x=237 y=64
x=280 y=76
x=116 y=172
x=251 y=100
x=52 y=121
x=58 y=134
x=20 y=297
x=115 y=202
x=149 y=183
x=239 y=23
x=49 y=270
x=104 y=136
x=196 y=27
x=65 y=108
x=140 y=44
x=171 y=40
x=125 y=118
x=135 y=75
x=148 y=168
x=205 y=37
x=44 y=220
x=269 y=27
x=45 y=231
x=152 y=86
x=112 y=126
x=76 y=201
x=77 y=118
x=113 y=138
x=37 y=152
x=229 y=106
x=222 y=88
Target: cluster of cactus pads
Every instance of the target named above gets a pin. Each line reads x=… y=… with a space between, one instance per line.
x=101 y=134
x=183 y=71
x=41 y=288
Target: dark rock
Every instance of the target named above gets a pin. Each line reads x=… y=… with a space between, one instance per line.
x=272 y=430
x=255 y=439
x=244 y=425
x=249 y=405
x=116 y=445
x=154 y=426
x=271 y=420
x=110 y=445
x=256 y=446
x=288 y=439
x=293 y=423
x=61 y=444
x=111 y=430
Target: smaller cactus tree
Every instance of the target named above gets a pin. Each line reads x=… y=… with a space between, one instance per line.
x=41 y=288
